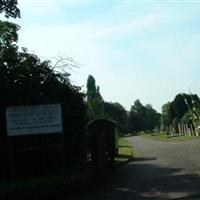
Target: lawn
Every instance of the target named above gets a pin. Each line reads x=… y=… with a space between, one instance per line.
x=169 y=138
x=125 y=153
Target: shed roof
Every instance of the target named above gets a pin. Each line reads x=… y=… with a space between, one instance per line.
x=102 y=121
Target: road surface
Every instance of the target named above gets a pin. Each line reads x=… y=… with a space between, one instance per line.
x=159 y=170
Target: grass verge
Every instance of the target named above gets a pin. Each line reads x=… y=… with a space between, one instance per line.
x=125 y=153
x=168 y=138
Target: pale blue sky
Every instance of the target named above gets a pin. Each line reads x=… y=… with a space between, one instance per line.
x=147 y=50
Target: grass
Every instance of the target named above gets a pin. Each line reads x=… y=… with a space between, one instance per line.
x=168 y=138
x=125 y=153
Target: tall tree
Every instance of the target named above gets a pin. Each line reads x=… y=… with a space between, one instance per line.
x=94 y=100
x=166 y=118
x=152 y=118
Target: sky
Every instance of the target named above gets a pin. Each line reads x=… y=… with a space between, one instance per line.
x=147 y=50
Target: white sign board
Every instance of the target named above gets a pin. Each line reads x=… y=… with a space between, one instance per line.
x=37 y=119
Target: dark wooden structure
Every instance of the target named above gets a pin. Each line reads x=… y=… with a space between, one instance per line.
x=103 y=143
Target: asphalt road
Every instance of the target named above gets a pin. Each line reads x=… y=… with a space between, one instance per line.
x=159 y=170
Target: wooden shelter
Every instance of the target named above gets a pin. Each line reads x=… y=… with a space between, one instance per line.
x=103 y=144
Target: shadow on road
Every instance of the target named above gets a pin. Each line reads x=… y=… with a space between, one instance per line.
x=147 y=181
x=135 y=181
x=144 y=159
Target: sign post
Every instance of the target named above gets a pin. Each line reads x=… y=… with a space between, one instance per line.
x=32 y=120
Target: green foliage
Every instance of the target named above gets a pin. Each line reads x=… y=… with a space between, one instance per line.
x=142 y=117
x=187 y=117
x=192 y=117
x=9 y=7
x=135 y=120
x=8 y=33
x=125 y=152
x=26 y=80
x=166 y=117
x=91 y=87
x=98 y=108
x=184 y=108
x=117 y=112
x=94 y=100
x=181 y=104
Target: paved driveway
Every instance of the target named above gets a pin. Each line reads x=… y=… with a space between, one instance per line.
x=160 y=170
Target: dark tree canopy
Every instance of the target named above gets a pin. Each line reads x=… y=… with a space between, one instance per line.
x=181 y=104
x=9 y=7
x=25 y=79
x=8 y=33
x=142 y=118
x=117 y=112
x=183 y=109
x=91 y=84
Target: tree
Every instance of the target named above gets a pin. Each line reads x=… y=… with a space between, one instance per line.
x=181 y=104
x=91 y=87
x=117 y=112
x=142 y=118
x=183 y=108
x=192 y=116
x=8 y=33
x=166 y=118
x=25 y=79
x=94 y=100
x=9 y=7
x=152 y=118
x=136 y=116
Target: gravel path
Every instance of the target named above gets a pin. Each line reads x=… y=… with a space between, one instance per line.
x=159 y=170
